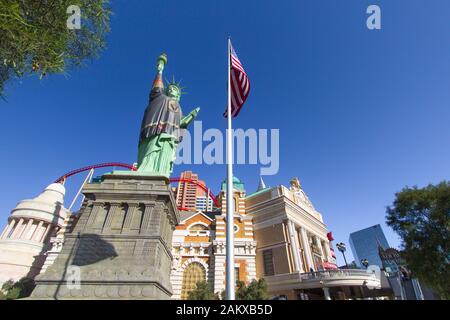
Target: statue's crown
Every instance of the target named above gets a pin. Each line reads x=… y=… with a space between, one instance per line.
x=173 y=83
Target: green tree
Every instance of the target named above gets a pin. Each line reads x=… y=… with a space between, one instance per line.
x=16 y=290
x=255 y=290
x=422 y=219
x=35 y=38
x=202 y=291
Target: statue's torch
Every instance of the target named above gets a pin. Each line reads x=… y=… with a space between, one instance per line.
x=161 y=62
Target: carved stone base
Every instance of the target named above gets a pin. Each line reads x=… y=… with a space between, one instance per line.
x=121 y=245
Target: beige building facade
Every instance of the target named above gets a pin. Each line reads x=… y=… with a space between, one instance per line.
x=26 y=237
x=293 y=250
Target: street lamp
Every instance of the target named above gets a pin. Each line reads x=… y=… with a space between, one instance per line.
x=341 y=248
x=365 y=262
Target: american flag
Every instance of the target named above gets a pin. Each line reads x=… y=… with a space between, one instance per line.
x=240 y=85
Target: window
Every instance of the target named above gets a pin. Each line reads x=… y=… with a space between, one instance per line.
x=268 y=262
x=198 y=230
x=236 y=274
x=193 y=274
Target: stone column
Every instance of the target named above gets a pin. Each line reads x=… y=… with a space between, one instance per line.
x=47 y=230
x=297 y=241
x=16 y=230
x=307 y=249
x=27 y=229
x=36 y=231
x=8 y=229
x=326 y=292
x=129 y=217
x=114 y=207
x=319 y=244
x=327 y=249
x=294 y=246
x=146 y=219
x=96 y=206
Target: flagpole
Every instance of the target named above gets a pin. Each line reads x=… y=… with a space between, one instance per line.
x=230 y=282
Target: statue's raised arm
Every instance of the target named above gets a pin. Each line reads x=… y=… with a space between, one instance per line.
x=160 y=64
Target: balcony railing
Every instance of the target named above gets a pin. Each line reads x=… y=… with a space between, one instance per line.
x=327 y=274
x=320 y=279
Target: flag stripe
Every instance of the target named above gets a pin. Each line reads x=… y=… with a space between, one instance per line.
x=240 y=85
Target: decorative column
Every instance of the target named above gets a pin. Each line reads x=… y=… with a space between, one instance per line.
x=96 y=207
x=16 y=230
x=297 y=241
x=319 y=244
x=146 y=219
x=8 y=229
x=307 y=249
x=26 y=231
x=114 y=206
x=47 y=230
x=327 y=249
x=36 y=231
x=129 y=217
x=294 y=246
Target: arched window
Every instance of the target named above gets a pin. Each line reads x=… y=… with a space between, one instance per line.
x=198 y=226
x=198 y=230
x=193 y=273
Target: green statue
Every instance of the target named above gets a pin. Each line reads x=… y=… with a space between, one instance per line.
x=162 y=126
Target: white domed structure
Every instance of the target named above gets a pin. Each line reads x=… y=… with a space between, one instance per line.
x=26 y=237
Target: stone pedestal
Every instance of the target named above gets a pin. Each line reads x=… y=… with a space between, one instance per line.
x=121 y=245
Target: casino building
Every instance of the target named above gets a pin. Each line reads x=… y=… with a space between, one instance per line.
x=279 y=236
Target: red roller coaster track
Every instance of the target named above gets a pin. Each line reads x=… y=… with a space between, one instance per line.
x=129 y=166
x=95 y=166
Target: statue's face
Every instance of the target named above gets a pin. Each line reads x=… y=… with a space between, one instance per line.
x=173 y=92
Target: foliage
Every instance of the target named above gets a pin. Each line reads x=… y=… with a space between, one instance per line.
x=255 y=290
x=17 y=290
x=202 y=291
x=35 y=38
x=422 y=219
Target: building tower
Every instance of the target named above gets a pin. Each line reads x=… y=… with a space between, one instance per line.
x=189 y=195
x=244 y=239
x=26 y=237
x=365 y=243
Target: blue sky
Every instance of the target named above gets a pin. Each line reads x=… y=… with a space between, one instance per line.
x=361 y=113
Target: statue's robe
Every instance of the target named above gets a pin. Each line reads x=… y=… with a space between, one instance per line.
x=163 y=115
x=160 y=134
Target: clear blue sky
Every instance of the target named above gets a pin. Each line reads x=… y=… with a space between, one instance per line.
x=361 y=113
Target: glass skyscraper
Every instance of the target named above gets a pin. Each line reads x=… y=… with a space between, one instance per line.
x=365 y=242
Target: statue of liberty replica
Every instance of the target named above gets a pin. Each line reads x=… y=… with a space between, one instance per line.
x=120 y=246
x=162 y=126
